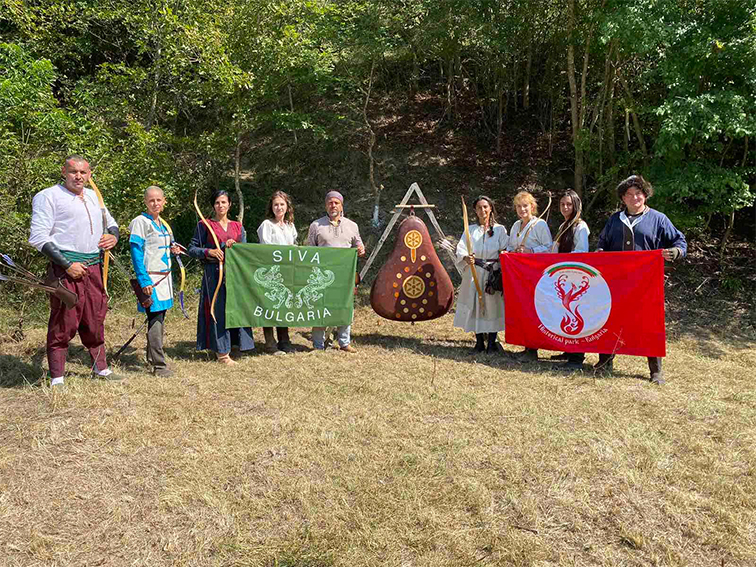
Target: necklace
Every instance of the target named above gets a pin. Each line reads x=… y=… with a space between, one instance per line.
x=523 y=226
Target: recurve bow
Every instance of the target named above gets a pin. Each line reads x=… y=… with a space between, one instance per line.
x=105 y=253
x=220 y=263
x=473 y=271
x=546 y=210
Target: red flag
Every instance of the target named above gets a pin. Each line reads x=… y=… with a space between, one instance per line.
x=605 y=302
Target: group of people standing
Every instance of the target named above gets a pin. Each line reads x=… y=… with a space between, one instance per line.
x=635 y=227
x=66 y=228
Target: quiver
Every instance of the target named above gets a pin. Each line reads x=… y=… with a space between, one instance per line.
x=54 y=287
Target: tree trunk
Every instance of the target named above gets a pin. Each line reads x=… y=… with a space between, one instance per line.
x=450 y=89
x=583 y=81
x=639 y=134
x=371 y=144
x=499 y=117
x=155 y=88
x=743 y=164
x=514 y=85
x=552 y=126
x=726 y=236
x=415 y=79
x=610 y=122
x=745 y=153
x=636 y=122
x=599 y=190
x=574 y=102
x=291 y=107
x=237 y=178
x=526 y=82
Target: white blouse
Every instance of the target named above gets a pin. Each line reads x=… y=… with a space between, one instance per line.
x=538 y=237
x=580 y=239
x=270 y=232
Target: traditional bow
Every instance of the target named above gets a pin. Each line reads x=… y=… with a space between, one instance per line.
x=220 y=262
x=181 y=267
x=481 y=299
x=105 y=253
x=546 y=210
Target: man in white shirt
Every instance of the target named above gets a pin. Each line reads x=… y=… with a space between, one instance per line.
x=67 y=226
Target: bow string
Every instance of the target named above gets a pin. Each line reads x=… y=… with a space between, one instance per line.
x=181 y=268
x=220 y=262
x=105 y=253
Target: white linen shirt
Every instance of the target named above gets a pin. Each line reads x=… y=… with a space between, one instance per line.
x=579 y=240
x=71 y=222
x=467 y=313
x=538 y=238
x=271 y=233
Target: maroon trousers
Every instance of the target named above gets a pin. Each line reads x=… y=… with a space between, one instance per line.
x=87 y=317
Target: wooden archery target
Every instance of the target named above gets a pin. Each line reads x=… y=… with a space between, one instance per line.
x=413 y=284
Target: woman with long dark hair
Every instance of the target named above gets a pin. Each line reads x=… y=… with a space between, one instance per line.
x=572 y=236
x=278 y=228
x=213 y=334
x=487 y=238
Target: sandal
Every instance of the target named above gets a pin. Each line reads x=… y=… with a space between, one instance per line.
x=225 y=358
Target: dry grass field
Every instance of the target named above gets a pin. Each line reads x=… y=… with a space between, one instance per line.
x=411 y=452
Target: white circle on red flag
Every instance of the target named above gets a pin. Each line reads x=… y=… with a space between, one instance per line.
x=572 y=299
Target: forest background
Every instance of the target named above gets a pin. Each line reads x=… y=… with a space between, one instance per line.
x=461 y=96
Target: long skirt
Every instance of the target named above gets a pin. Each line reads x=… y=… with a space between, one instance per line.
x=211 y=334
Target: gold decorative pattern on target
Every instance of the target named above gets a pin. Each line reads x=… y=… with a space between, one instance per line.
x=413 y=287
x=412 y=240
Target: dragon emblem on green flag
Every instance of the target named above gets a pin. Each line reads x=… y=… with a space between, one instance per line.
x=271 y=285
x=272 y=280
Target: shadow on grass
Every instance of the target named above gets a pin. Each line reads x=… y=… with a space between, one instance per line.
x=15 y=373
x=709 y=343
x=187 y=350
x=462 y=351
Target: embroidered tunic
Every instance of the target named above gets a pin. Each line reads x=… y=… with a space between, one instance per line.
x=150 y=244
x=467 y=312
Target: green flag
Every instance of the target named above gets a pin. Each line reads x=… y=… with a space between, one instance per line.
x=289 y=286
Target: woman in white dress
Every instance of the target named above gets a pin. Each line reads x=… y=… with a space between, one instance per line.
x=278 y=228
x=572 y=236
x=529 y=235
x=488 y=239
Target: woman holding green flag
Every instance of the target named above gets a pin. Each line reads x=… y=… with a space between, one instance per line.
x=278 y=228
x=211 y=323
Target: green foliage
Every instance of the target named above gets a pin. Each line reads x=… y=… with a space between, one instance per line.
x=165 y=92
x=696 y=64
x=32 y=126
